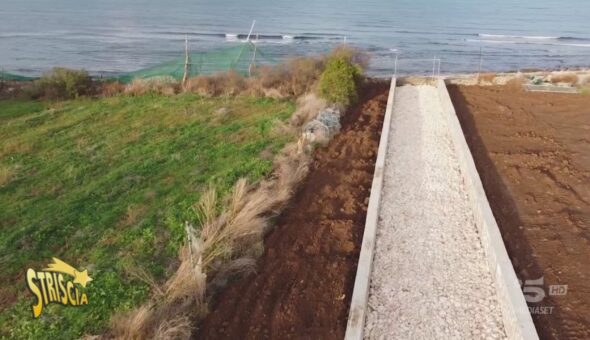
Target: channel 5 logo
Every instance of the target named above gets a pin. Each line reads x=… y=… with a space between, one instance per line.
x=534 y=290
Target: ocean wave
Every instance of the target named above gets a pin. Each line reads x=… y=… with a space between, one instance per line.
x=545 y=42
x=254 y=36
x=529 y=37
x=526 y=37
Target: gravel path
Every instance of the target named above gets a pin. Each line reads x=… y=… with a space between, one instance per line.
x=430 y=279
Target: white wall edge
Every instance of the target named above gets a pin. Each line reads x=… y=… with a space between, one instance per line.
x=515 y=314
x=360 y=295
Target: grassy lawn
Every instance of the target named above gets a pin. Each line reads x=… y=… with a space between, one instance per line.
x=107 y=183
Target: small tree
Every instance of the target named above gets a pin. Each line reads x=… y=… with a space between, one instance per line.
x=338 y=82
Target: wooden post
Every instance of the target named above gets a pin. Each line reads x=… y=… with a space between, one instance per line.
x=186 y=62
x=480 y=63
x=253 y=62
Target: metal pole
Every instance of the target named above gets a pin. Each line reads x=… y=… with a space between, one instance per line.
x=251 y=29
x=395 y=66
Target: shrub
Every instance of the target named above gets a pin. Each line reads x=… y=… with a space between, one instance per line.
x=338 y=82
x=62 y=83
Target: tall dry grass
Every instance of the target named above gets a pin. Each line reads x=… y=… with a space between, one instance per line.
x=486 y=78
x=165 y=85
x=308 y=107
x=287 y=80
x=569 y=78
x=228 y=83
x=515 y=84
x=225 y=246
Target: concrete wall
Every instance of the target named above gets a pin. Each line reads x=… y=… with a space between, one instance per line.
x=517 y=319
x=360 y=295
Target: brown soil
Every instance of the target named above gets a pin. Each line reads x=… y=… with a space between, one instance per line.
x=532 y=151
x=305 y=277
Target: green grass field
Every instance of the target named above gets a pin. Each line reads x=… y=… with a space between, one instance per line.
x=106 y=184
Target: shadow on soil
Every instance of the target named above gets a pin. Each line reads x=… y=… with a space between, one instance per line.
x=503 y=206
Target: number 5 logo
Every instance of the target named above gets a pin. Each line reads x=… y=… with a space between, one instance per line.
x=533 y=290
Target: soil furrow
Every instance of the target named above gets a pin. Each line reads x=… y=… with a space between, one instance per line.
x=305 y=277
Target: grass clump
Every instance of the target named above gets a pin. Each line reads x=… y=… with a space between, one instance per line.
x=62 y=83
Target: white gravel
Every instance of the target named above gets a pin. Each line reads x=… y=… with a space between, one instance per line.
x=430 y=279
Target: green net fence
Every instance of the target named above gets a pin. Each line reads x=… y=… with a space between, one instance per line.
x=237 y=58
x=5 y=76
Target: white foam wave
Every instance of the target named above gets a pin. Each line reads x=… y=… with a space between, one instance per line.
x=523 y=37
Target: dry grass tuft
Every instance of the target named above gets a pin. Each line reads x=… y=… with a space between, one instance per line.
x=15 y=147
x=6 y=175
x=168 y=314
x=568 y=78
x=110 y=89
x=229 y=83
x=289 y=80
x=308 y=107
x=486 y=78
x=133 y=214
x=515 y=84
x=165 y=85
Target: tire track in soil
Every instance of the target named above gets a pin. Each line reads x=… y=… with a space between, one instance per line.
x=305 y=277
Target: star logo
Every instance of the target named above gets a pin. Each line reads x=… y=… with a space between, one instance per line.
x=60 y=266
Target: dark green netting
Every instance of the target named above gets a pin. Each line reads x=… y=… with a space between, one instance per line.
x=238 y=58
x=5 y=76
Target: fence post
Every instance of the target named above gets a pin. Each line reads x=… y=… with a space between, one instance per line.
x=253 y=62
x=395 y=66
x=186 y=62
x=433 y=67
x=480 y=63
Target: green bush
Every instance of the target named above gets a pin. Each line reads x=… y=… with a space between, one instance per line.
x=63 y=83
x=338 y=82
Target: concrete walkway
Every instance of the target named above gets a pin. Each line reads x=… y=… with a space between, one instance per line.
x=430 y=278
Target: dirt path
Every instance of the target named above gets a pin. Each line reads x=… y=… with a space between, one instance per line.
x=305 y=278
x=532 y=151
x=430 y=278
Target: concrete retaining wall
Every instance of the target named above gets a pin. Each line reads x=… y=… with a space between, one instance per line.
x=360 y=295
x=517 y=319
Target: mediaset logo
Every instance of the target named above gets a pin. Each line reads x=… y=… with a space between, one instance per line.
x=58 y=283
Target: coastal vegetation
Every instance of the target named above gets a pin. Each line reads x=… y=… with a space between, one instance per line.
x=107 y=184
x=162 y=191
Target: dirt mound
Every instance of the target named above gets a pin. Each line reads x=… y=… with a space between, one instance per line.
x=305 y=277
x=532 y=152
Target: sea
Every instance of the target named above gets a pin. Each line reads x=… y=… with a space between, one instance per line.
x=117 y=36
